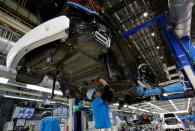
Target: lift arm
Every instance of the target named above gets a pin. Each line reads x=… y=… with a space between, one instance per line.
x=182 y=48
x=175 y=90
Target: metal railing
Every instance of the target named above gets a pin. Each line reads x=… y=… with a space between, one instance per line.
x=8 y=37
x=9 y=34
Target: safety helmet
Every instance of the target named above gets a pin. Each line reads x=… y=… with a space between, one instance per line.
x=46 y=113
x=90 y=93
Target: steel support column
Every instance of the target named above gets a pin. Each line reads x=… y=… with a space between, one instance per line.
x=71 y=121
x=77 y=117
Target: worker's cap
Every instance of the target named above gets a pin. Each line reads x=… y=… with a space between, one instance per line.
x=46 y=113
x=90 y=93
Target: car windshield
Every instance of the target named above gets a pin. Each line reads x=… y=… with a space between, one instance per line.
x=168 y=115
x=171 y=121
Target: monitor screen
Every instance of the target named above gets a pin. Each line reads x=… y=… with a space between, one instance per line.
x=23 y=113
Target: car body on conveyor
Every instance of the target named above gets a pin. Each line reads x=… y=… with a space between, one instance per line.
x=171 y=122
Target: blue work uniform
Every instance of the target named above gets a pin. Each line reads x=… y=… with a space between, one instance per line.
x=101 y=113
x=191 y=117
x=50 y=123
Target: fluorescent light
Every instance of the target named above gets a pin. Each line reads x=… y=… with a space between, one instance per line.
x=3 y=80
x=53 y=102
x=29 y=99
x=116 y=104
x=58 y=93
x=161 y=57
x=158 y=47
x=38 y=88
x=22 y=98
x=145 y=14
x=152 y=34
x=125 y=106
x=116 y=110
x=131 y=107
x=42 y=89
x=165 y=94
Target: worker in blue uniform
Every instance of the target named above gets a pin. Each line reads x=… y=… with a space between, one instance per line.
x=49 y=123
x=100 y=105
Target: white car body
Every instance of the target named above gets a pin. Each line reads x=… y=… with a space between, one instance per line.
x=169 y=126
x=176 y=126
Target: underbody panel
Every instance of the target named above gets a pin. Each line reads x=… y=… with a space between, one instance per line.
x=85 y=55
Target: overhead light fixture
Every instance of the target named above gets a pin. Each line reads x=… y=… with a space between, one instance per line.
x=152 y=34
x=3 y=80
x=22 y=98
x=117 y=110
x=161 y=57
x=158 y=47
x=134 y=108
x=116 y=104
x=31 y=99
x=125 y=106
x=43 y=89
x=145 y=14
x=53 y=102
x=58 y=93
x=165 y=94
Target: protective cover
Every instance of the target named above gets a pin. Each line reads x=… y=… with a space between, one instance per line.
x=47 y=32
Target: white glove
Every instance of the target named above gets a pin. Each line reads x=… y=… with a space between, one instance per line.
x=103 y=82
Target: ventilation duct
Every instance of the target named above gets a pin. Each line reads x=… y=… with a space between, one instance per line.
x=181 y=16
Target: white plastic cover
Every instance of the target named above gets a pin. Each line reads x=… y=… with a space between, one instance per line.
x=49 y=31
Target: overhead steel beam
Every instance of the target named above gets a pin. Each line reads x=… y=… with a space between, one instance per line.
x=173 y=105
x=166 y=105
x=6 y=89
x=156 y=106
x=12 y=23
x=19 y=92
x=130 y=107
x=22 y=98
x=182 y=111
x=28 y=86
x=142 y=26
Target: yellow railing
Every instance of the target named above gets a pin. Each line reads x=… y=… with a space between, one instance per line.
x=16 y=17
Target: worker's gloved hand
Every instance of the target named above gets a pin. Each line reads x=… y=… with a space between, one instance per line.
x=100 y=81
x=103 y=82
x=80 y=105
x=78 y=108
x=89 y=113
x=75 y=108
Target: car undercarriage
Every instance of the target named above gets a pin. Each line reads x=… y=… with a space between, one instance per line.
x=87 y=54
x=91 y=50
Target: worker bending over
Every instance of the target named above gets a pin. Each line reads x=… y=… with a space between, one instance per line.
x=49 y=123
x=100 y=104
